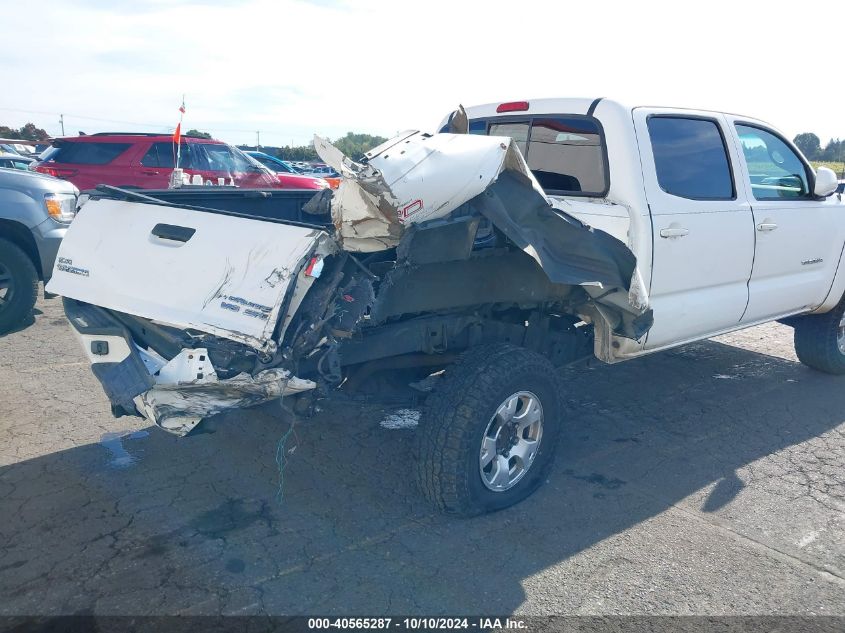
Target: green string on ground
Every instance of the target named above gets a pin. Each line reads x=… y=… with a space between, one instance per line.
x=281 y=462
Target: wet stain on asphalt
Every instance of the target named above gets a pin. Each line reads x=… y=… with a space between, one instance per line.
x=113 y=443
x=598 y=479
x=233 y=515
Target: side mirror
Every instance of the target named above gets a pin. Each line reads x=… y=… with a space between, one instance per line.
x=826 y=182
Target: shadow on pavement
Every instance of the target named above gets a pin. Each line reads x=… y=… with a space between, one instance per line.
x=192 y=525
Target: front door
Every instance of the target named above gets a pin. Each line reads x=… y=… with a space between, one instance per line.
x=702 y=227
x=798 y=238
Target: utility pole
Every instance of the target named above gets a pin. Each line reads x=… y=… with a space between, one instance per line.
x=257 y=139
x=62 y=123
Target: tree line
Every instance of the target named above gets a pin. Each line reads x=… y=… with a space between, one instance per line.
x=26 y=133
x=354 y=145
x=810 y=145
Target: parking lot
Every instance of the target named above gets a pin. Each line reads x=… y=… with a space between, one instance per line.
x=706 y=480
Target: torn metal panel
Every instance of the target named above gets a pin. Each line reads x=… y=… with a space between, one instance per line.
x=420 y=177
x=179 y=407
x=413 y=178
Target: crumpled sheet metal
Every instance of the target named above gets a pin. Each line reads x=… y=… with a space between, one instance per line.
x=178 y=408
x=416 y=177
x=413 y=178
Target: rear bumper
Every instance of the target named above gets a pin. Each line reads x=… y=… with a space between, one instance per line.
x=114 y=359
x=175 y=394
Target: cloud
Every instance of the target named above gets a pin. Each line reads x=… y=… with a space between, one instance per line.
x=294 y=67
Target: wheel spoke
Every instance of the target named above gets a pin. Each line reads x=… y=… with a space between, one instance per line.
x=531 y=416
x=488 y=451
x=524 y=451
x=501 y=472
x=508 y=409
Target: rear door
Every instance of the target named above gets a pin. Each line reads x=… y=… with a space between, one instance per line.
x=703 y=231
x=214 y=273
x=798 y=238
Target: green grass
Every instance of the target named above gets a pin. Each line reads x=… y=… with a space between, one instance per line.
x=837 y=166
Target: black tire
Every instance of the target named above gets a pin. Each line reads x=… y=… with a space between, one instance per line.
x=22 y=280
x=816 y=341
x=457 y=414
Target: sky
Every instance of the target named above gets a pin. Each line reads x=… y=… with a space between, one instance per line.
x=292 y=68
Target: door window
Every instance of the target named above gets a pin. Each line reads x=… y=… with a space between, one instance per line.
x=219 y=158
x=164 y=155
x=690 y=158
x=775 y=170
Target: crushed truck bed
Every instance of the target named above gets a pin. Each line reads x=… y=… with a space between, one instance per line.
x=439 y=242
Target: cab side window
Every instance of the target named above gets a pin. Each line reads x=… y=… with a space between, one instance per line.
x=775 y=170
x=690 y=158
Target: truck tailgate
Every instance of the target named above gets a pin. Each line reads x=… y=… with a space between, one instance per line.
x=216 y=273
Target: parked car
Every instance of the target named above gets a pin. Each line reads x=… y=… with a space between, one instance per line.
x=35 y=211
x=284 y=167
x=15 y=161
x=22 y=149
x=618 y=232
x=145 y=161
x=276 y=164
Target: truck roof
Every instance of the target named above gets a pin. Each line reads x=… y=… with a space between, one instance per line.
x=574 y=105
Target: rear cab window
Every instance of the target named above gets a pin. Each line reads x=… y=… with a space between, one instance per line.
x=565 y=152
x=84 y=152
x=690 y=157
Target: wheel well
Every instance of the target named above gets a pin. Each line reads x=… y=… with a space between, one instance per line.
x=557 y=336
x=18 y=234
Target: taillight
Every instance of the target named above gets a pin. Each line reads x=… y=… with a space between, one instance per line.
x=56 y=172
x=512 y=106
x=314 y=267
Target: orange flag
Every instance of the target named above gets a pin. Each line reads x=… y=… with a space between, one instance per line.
x=177 y=135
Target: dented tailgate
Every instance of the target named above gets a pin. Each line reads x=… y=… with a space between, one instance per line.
x=221 y=274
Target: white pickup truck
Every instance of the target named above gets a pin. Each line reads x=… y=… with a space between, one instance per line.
x=523 y=236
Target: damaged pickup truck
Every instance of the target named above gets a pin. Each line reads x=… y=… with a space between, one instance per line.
x=522 y=237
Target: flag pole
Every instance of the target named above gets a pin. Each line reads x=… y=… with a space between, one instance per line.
x=177 y=137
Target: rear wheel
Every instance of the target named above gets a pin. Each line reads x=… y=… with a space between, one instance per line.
x=18 y=285
x=820 y=340
x=488 y=432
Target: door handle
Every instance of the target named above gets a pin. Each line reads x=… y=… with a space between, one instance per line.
x=674 y=232
x=767 y=226
x=150 y=172
x=173 y=232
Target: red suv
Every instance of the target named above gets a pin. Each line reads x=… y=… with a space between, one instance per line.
x=145 y=161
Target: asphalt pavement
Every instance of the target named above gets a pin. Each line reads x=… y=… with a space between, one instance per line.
x=704 y=480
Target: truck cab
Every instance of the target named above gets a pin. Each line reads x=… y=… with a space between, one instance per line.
x=729 y=222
